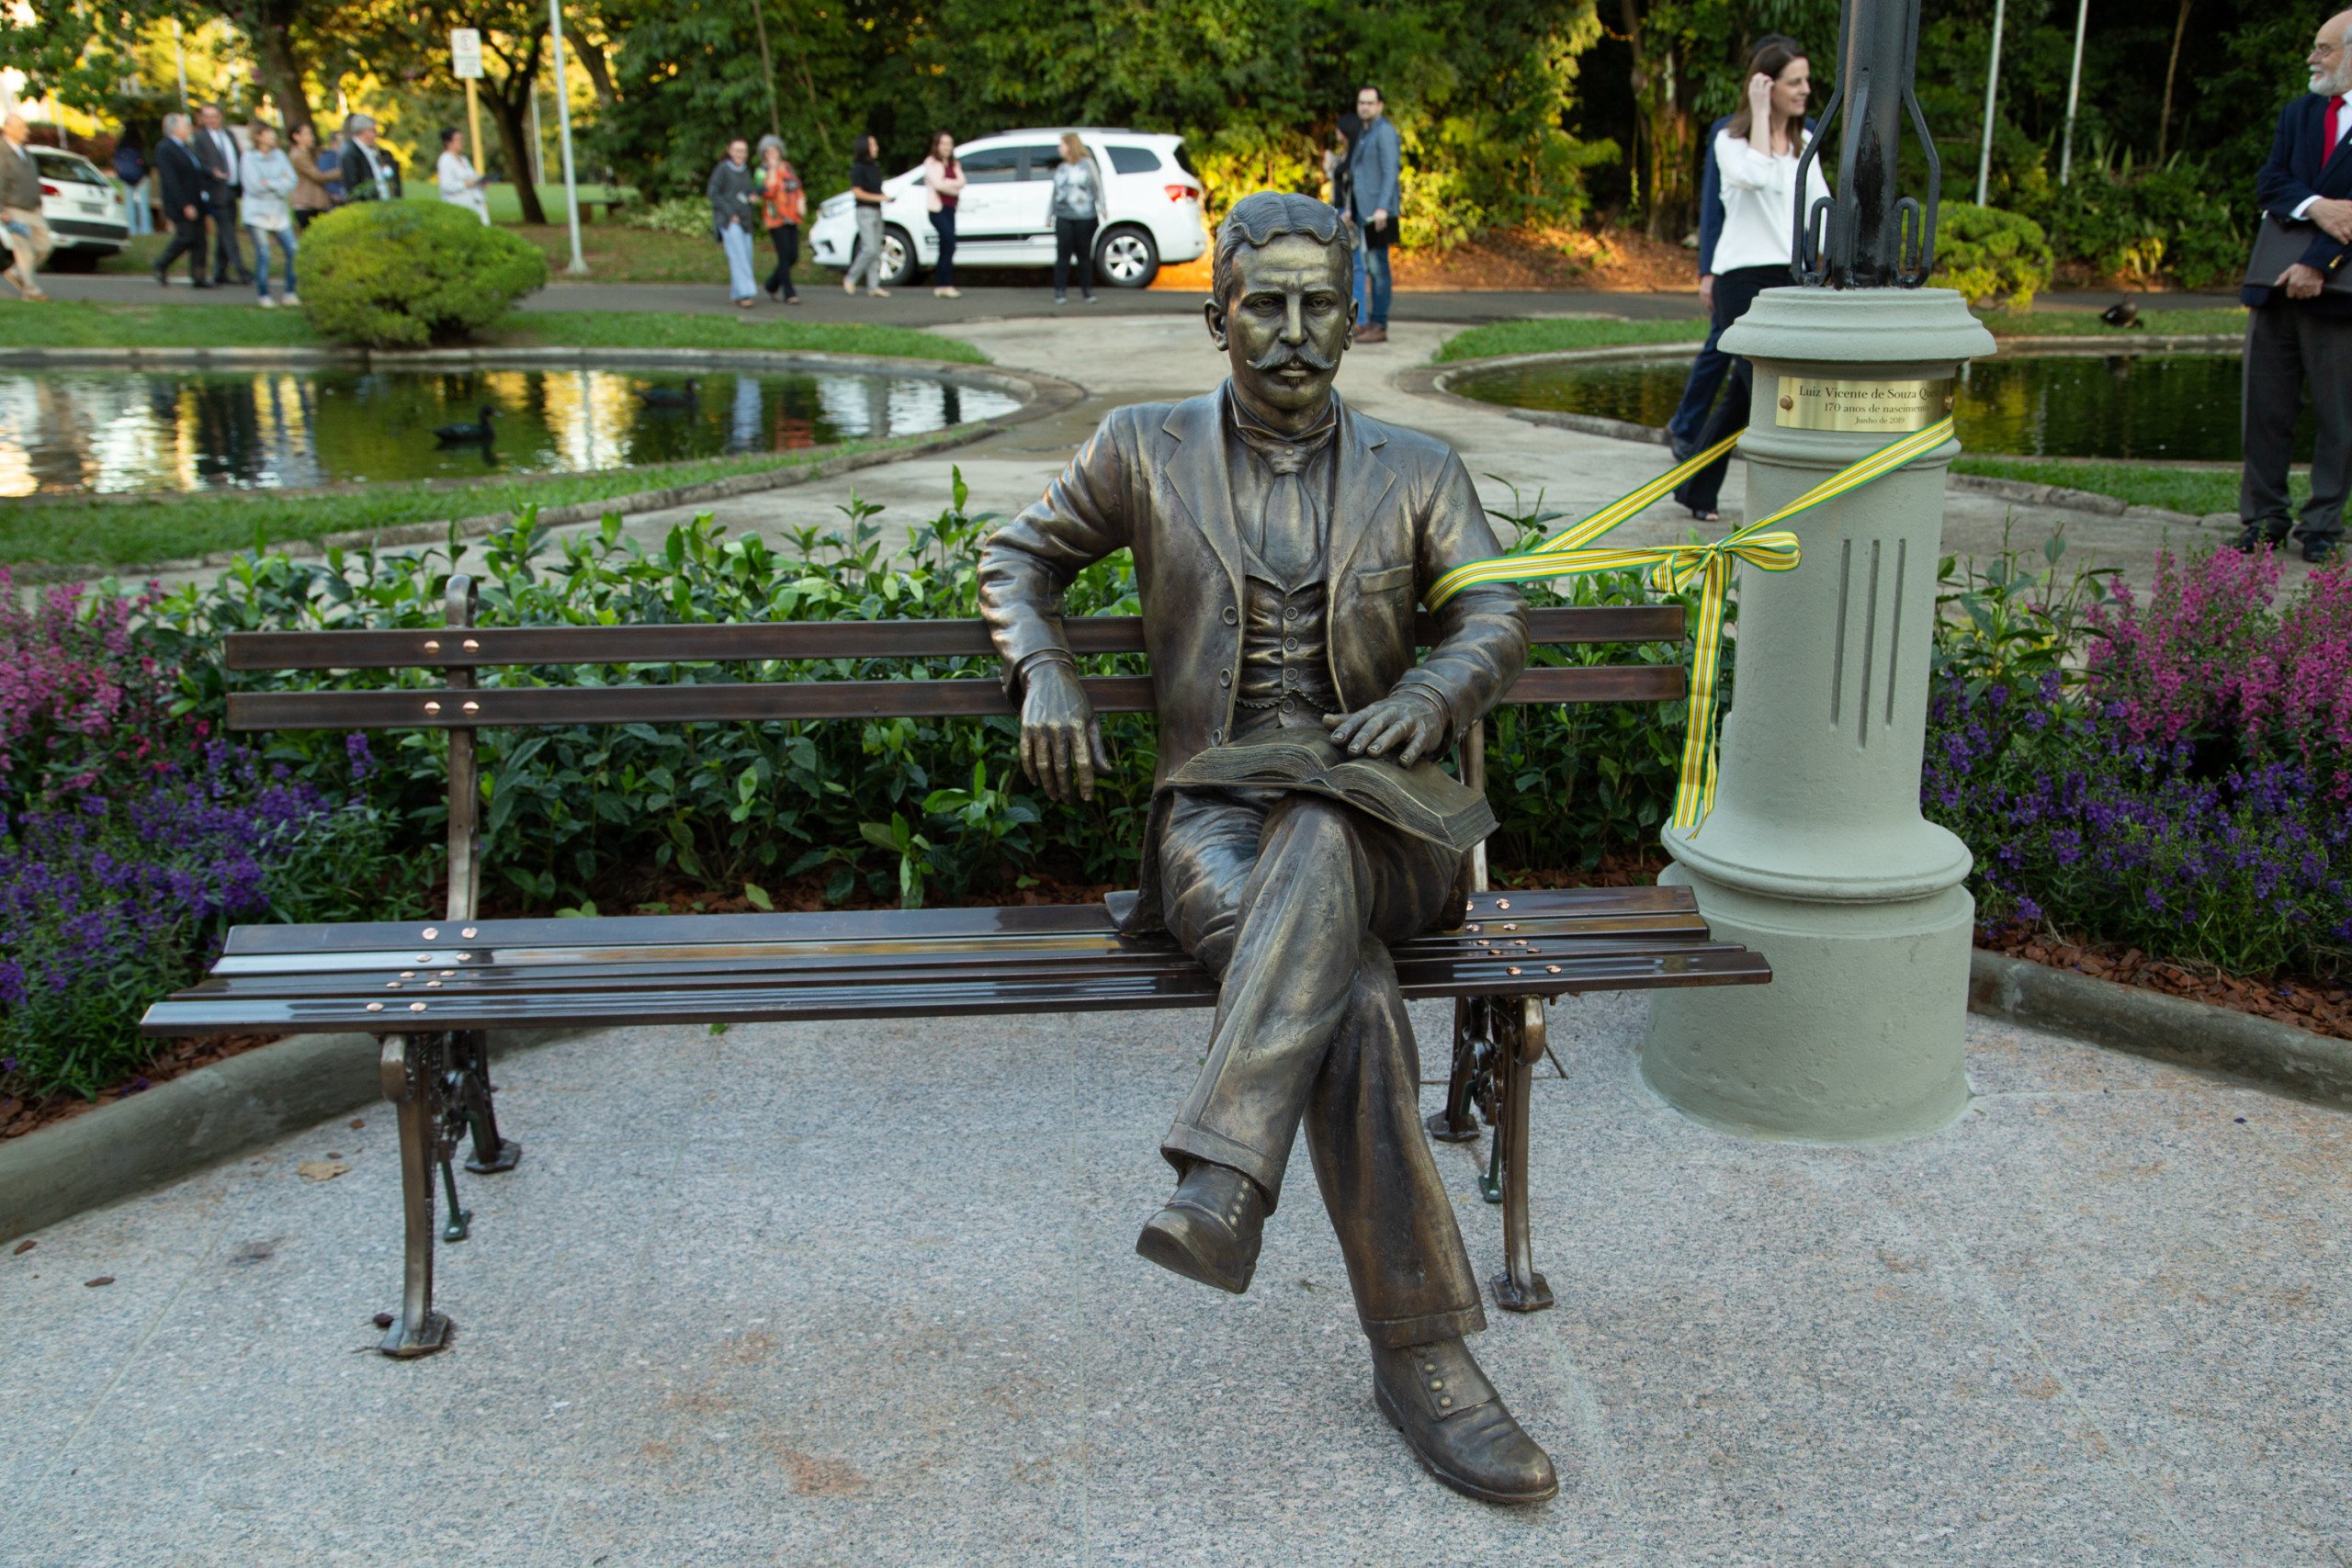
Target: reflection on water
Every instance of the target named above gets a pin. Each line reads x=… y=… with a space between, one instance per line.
x=2146 y=406
x=105 y=432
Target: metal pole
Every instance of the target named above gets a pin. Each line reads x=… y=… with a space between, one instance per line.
x=1992 y=99
x=473 y=133
x=2074 y=93
x=578 y=268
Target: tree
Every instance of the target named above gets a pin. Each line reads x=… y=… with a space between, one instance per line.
x=410 y=39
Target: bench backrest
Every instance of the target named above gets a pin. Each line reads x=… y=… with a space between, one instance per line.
x=458 y=649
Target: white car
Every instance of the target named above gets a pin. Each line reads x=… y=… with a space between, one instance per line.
x=1151 y=210
x=86 y=216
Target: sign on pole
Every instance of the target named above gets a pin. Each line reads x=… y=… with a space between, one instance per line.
x=465 y=53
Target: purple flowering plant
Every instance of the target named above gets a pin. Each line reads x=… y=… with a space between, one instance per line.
x=2163 y=770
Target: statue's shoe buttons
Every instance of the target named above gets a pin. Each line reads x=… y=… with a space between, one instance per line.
x=1457 y=1426
x=1211 y=1229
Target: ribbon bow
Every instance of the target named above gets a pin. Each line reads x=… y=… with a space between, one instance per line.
x=1673 y=569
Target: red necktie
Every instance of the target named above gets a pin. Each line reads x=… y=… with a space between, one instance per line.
x=2335 y=131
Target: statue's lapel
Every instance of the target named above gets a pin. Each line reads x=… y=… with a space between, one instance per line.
x=1360 y=491
x=1198 y=486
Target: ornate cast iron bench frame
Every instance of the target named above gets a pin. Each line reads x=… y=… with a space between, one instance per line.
x=430 y=991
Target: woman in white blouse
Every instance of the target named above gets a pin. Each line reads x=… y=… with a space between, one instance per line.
x=1757 y=153
x=461 y=186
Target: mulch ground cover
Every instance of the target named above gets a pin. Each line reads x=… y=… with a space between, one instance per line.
x=2323 y=1007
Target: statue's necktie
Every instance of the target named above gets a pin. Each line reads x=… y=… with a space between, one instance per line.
x=1286 y=539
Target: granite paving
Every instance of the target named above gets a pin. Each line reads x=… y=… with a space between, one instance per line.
x=865 y=1293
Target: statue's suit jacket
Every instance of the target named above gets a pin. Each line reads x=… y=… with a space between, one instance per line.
x=1154 y=480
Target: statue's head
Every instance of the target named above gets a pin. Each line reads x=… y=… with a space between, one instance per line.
x=1285 y=303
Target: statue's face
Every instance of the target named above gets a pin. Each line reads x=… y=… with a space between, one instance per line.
x=1284 y=321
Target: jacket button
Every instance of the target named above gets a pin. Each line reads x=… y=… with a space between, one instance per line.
x=1225 y=677
x=1232 y=616
x=1290 y=644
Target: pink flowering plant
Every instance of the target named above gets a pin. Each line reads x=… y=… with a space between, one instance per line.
x=2165 y=770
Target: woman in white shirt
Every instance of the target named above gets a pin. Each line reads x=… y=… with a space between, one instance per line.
x=1756 y=155
x=461 y=186
x=269 y=178
x=943 y=181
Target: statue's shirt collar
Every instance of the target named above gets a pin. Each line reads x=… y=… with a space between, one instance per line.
x=1283 y=453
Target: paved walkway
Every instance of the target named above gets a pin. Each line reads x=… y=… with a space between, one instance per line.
x=865 y=1294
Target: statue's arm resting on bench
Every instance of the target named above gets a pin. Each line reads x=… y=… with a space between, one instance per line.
x=1482 y=631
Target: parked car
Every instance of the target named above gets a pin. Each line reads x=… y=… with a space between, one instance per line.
x=1151 y=201
x=85 y=213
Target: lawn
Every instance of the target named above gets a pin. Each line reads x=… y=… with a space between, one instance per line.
x=1557 y=336
x=74 y=324
x=615 y=253
x=116 y=534
x=2198 y=491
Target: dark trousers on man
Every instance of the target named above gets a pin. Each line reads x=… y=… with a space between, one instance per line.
x=228 y=254
x=1735 y=291
x=2288 y=346
x=187 y=240
x=1074 y=243
x=1293 y=900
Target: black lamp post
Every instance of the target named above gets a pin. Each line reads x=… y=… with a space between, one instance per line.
x=1870 y=235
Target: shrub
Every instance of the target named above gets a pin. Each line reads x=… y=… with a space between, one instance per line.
x=686 y=215
x=1992 y=257
x=412 y=274
x=2142 y=222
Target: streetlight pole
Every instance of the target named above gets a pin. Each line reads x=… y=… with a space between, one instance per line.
x=578 y=268
x=1815 y=852
x=1992 y=100
x=2074 y=93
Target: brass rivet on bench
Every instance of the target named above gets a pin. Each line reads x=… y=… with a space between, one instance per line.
x=375 y=1007
x=1551 y=969
x=432 y=985
x=1510 y=925
x=431 y=933
x=473 y=707
x=432 y=707
x=416 y=1006
x=392 y=985
x=468 y=933
x=447 y=973
x=1514 y=969
x=408 y=974
x=1502 y=903
x=432 y=646
x=471 y=645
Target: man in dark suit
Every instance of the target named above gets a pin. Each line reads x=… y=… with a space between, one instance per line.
x=180 y=182
x=2298 y=332
x=371 y=173
x=217 y=152
x=1281 y=544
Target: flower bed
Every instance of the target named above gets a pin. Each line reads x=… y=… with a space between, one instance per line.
x=2160 y=779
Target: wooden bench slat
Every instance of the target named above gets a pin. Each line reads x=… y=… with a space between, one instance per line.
x=222 y=1011
x=616 y=932
x=431 y=648
x=771 y=701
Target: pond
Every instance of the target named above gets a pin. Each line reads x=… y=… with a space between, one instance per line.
x=117 y=432
x=2144 y=407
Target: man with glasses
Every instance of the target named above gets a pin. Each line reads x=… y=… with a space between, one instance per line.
x=2298 y=329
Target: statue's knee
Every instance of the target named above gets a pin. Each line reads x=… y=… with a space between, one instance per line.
x=1309 y=826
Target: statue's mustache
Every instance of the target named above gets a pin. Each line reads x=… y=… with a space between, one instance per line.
x=1282 y=356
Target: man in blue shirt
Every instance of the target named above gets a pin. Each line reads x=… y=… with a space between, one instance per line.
x=1377 y=194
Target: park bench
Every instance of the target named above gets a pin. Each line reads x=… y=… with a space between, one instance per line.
x=430 y=990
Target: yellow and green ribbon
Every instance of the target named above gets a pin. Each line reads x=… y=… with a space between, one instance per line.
x=1674 y=567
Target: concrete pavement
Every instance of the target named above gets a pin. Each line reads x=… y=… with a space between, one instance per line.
x=865 y=1294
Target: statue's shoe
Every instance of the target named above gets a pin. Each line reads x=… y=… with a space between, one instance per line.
x=1457 y=1426
x=1211 y=1229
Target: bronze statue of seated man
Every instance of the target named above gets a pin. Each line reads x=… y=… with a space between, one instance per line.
x=1282 y=543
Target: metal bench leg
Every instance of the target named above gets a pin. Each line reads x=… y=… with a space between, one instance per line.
x=1518 y=1288
x=470 y=1054
x=409 y=1068
x=1458 y=1122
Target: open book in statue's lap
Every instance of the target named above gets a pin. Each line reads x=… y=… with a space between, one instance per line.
x=1299 y=826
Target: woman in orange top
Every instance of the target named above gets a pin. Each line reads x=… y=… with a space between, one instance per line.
x=781 y=203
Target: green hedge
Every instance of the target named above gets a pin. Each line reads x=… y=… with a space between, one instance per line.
x=411 y=275
x=1995 y=258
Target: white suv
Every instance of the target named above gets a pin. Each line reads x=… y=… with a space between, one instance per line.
x=86 y=217
x=1151 y=203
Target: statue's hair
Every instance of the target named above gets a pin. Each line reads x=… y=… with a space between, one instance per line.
x=1258 y=221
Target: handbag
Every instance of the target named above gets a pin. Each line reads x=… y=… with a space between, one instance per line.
x=2278 y=245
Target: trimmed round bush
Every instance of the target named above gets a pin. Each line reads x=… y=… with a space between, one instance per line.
x=1991 y=257
x=412 y=274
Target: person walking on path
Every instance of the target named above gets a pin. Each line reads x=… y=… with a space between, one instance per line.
x=22 y=227
x=943 y=181
x=333 y=159
x=179 y=181
x=1757 y=153
x=1711 y=364
x=2298 y=328
x=130 y=168
x=1375 y=193
x=370 y=171
x=461 y=186
x=311 y=180
x=1077 y=209
x=268 y=179
x=866 y=191
x=729 y=191
x=782 y=203
x=217 y=150
x=1336 y=170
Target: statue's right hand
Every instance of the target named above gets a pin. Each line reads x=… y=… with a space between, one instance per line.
x=1061 y=740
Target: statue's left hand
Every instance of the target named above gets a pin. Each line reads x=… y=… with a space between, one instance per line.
x=1413 y=727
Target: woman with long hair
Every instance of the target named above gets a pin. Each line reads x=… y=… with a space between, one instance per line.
x=781 y=203
x=311 y=196
x=1756 y=155
x=943 y=181
x=1077 y=209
